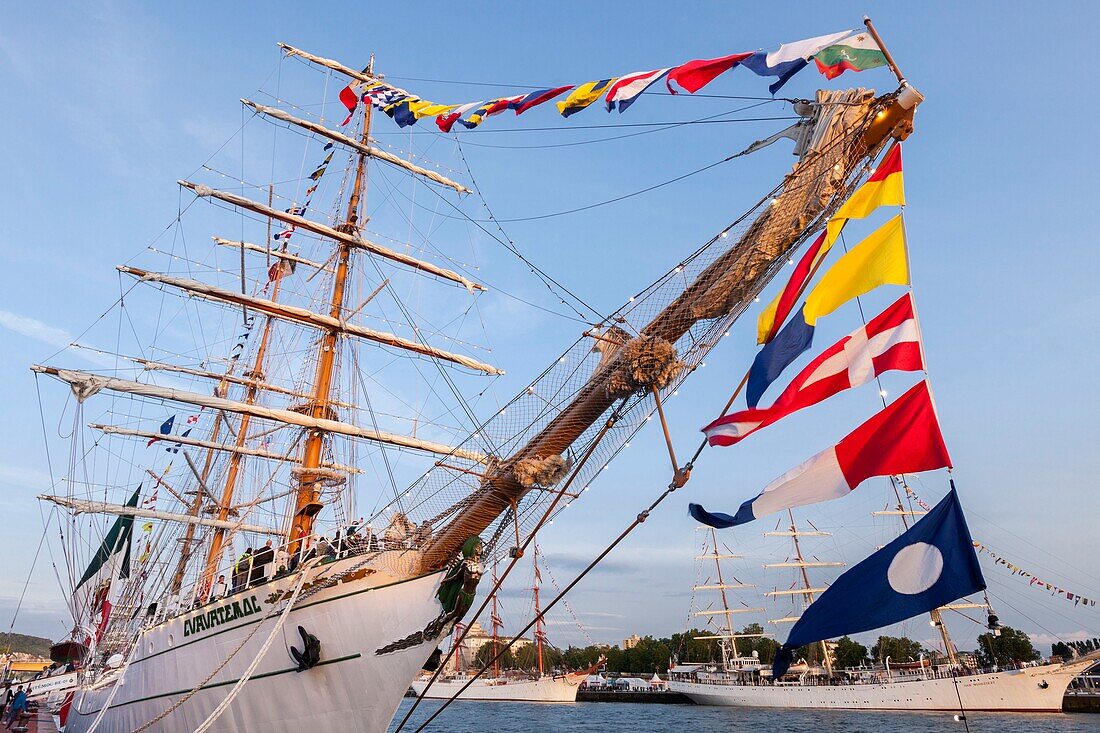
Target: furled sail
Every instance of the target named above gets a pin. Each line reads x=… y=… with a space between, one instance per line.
x=326 y=231
x=368 y=150
x=89 y=384
x=306 y=317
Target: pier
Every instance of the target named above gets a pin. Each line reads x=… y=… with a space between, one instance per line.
x=657 y=697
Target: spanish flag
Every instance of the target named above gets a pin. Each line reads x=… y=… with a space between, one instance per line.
x=885 y=187
x=583 y=96
x=880 y=259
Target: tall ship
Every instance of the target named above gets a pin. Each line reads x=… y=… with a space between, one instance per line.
x=739 y=678
x=260 y=504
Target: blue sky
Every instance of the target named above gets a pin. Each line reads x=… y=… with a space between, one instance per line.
x=111 y=103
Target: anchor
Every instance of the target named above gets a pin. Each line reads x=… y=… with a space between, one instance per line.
x=311 y=655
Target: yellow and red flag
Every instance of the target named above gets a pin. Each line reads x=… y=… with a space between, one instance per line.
x=885 y=187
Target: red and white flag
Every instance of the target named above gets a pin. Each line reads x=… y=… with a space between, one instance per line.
x=628 y=88
x=890 y=341
x=349 y=97
x=694 y=75
x=903 y=438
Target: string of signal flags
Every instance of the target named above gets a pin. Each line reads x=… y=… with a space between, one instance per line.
x=833 y=54
x=1075 y=598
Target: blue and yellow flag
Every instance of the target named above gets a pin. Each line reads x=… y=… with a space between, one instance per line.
x=583 y=96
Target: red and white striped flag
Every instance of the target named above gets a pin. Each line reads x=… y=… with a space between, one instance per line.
x=903 y=438
x=890 y=341
x=626 y=89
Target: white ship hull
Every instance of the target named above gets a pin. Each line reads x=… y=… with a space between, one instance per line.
x=562 y=688
x=1020 y=690
x=351 y=689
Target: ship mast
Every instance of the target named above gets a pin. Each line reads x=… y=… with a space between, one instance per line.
x=808 y=590
x=538 y=611
x=308 y=498
x=496 y=626
x=727 y=639
x=186 y=550
x=725 y=603
x=217 y=540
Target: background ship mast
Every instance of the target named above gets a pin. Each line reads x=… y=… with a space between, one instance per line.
x=807 y=591
x=727 y=637
x=539 y=634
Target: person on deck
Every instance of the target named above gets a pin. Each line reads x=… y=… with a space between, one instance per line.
x=282 y=561
x=240 y=570
x=264 y=557
x=5 y=699
x=219 y=588
x=17 y=706
x=302 y=540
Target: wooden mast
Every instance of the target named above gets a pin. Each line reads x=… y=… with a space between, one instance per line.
x=217 y=540
x=538 y=609
x=307 y=502
x=189 y=533
x=808 y=594
x=725 y=604
x=496 y=627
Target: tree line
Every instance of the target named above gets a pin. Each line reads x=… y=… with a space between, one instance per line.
x=652 y=654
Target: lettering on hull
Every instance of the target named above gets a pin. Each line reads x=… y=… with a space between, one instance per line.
x=230 y=611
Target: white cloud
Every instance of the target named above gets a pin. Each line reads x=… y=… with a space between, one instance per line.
x=51 y=335
x=1061 y=636
x=23 y=477
x=35 y=329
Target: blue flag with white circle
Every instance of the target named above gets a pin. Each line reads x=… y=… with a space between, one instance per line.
x=931 y=564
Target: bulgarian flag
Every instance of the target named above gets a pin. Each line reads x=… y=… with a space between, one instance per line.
x=890 y=341
x=903 y=438
x=857 y=52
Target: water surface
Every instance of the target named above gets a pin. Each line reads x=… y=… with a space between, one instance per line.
x=503 y=717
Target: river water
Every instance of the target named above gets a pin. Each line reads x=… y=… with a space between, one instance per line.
x=485 y=717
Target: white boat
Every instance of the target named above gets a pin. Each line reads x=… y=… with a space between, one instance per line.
x=742 y=680
x=548 y=688
x=1037 y=688
x=274 y=432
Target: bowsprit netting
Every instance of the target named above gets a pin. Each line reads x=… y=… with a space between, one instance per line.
x=557 y=435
